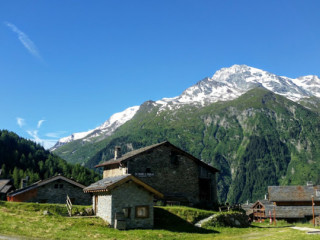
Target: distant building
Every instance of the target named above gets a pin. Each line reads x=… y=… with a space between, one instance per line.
x=261 y=210
x=124 y=201
x=52 y=190
x=294 y=202
x=181 y=177
x=6 y=186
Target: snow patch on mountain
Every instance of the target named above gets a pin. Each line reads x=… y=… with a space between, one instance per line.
x=106 y=129
x=230 y=83
x=311 y=83
x=225 y=85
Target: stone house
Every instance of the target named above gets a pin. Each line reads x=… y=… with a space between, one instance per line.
x=181 y=177
x=124 y=201
x=52 y=190
x=294 y=202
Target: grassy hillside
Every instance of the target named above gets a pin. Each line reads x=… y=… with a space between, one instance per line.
x=27 y=220
x=257 y=140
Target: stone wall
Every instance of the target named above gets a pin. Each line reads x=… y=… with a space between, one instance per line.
x=113 y=171
x=104 y=206
x=128 y=195
x=57 y=191
x=170 y=172
x=167 y=171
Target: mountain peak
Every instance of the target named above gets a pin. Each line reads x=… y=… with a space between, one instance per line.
x=226 y=84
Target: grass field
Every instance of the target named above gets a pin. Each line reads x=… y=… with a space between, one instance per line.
x=27 y=220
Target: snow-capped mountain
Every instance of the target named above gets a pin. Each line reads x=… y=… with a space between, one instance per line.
x=226 y=84
x=106 y=129
x=229 y=83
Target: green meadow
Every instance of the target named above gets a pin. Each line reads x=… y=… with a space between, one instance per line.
x=27 y=221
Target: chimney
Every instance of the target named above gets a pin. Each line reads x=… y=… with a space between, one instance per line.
x=309 y=184
x=265 y=197
x=24 y=182
x=117 y=152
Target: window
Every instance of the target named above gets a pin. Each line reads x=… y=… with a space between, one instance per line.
x=148 y=170
x=43 y=200
x=61 y=185
x=142 y=211
x=127 y=212
x=56 y=185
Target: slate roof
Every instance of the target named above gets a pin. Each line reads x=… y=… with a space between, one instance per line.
x=5 y=185
x=104 y=183
x=43 y=182
x=293 y=193
x=264 y=202
x=108 y=184
x=137 y=152
x=3 y=182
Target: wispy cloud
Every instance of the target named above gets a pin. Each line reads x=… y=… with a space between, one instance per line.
x=34 y=134
x=25 y=40
x=48 y=141
x=21 y=122
x=55 y=134
x=40 y=123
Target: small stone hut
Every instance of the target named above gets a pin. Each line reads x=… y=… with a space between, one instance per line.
x=52 y=190
x=124 y=201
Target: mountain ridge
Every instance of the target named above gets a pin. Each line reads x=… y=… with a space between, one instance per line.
x=256 y=140
x=225 y=85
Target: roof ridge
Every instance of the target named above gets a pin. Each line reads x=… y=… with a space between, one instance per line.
x=136 y=152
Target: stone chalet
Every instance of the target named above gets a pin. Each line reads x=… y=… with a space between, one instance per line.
x=124 y=201
x=6 y=186
x=52 y=190
x=181 y=177
x=294 y=202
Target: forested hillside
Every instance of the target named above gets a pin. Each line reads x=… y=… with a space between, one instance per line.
x=20 y=158
x=257 y=140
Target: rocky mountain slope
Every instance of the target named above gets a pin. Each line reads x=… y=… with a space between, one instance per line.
x=256 y=140
x=225 y=85
x=258 y=128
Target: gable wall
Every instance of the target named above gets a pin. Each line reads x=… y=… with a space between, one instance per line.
x=130 y=195
x=172 y=177
x=48 y=193
x=127 y=195
x=111 y=171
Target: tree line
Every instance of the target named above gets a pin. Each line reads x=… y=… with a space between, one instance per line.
x=20 y=157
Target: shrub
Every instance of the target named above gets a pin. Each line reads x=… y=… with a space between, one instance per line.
x=228 y=219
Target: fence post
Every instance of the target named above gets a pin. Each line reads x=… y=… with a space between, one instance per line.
x=69 y=206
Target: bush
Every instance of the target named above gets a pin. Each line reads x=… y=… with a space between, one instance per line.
x=228 y=219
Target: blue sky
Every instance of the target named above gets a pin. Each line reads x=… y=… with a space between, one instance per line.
x=67 y=66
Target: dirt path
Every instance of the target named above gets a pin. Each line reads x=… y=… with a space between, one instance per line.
x=308 y=230
x=9 y=238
